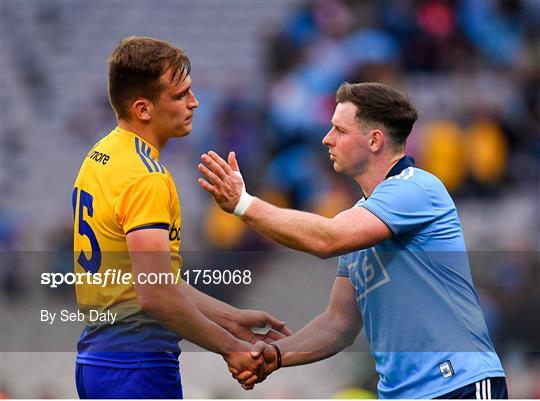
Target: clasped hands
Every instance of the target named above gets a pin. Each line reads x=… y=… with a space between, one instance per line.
x=253 y=366
x=252 y=358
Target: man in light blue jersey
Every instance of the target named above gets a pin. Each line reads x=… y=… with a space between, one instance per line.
x=403 y=263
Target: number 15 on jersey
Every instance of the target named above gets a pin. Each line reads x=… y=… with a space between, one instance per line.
x=82 y=202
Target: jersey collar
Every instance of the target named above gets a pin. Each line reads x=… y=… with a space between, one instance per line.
x=154 y=153
x=402 y=164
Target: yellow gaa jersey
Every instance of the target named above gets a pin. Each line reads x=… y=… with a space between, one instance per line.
x=121 y=187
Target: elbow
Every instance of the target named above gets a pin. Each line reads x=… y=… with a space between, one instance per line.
x=351 y=333
x=148 y=305
x=149 y=302
x=323 y=254
x=156 y=299
x=348 y=331
x=325 y=249
x=349 y=339
x=329 y=242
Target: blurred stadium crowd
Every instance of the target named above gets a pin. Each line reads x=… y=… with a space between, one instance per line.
x=265 y=74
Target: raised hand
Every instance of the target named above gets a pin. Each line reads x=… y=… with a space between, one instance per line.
x=245 y=320
x=223 y=180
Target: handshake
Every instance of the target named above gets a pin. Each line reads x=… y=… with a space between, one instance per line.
x=254 y=366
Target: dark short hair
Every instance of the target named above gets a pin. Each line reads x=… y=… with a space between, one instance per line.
x=380 y=104
x=135 y=67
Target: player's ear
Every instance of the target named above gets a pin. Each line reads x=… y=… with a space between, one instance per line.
x=376 y=140
x=141 y=109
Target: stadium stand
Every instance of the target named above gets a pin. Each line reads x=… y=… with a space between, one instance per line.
x=265 y=74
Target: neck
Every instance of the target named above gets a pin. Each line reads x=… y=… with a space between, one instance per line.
x=144 y=132
x=376 y=173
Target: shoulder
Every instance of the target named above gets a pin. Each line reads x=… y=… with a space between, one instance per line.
x=410 y=191
x=121 y=162
x=410 y=182
x=131 y=157
x=413 y=180
x=410 y=200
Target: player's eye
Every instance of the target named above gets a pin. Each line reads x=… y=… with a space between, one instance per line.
x=181 y=95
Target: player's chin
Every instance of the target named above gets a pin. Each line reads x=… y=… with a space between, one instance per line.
x=183 y=131
x=337 y=168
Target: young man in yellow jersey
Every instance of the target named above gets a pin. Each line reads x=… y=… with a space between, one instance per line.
x=125 y=208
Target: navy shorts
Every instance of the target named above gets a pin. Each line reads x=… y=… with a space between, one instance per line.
x=104 y=382
x=492 y=388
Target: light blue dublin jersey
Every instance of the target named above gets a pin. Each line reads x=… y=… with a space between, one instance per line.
x=415 y=292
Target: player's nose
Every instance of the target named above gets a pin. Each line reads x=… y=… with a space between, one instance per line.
x=328 y=139
x=193 y=102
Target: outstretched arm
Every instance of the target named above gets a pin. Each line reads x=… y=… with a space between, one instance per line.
x=236 y=321
x=352 y=229
x=326 y=335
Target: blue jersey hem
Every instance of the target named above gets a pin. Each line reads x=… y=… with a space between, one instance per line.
x=480 y=376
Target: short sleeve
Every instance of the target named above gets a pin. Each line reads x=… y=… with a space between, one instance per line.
x=145 y=203
x=343 y=269
x=401 y=204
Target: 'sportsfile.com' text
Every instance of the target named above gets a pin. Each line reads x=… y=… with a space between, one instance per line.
x=108 y=277
x=120 y=277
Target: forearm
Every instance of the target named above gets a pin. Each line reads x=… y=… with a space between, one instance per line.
x=294 y=229
x=353 y=229
x=169 y=304
x=217 y=311
x=323 y=337
x=174 y=310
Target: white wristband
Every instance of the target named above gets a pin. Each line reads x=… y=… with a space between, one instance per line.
x=244 y=201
